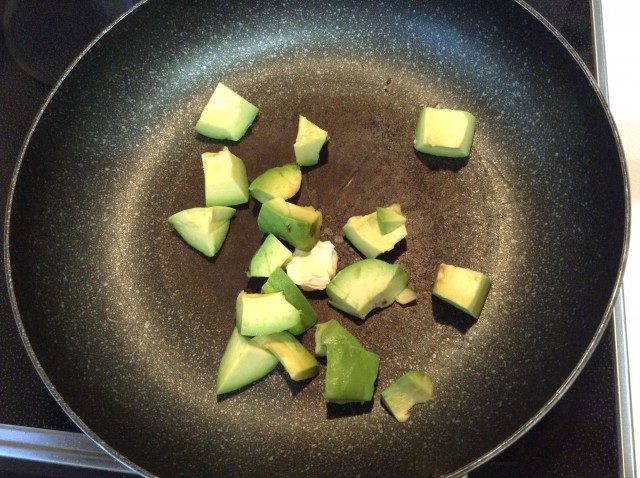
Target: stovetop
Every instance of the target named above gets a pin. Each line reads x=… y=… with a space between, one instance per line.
x=577 y=438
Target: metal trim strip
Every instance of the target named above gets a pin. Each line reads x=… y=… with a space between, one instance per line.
x=56 y=447
x=626 y=460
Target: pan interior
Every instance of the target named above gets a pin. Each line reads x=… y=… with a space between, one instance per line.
x=127 y=323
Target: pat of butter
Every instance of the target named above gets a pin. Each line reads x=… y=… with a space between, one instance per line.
x=313 y=270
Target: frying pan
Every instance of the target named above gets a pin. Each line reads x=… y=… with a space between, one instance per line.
x=126 y=324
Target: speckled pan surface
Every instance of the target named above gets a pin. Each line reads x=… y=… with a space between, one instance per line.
x=127 y=324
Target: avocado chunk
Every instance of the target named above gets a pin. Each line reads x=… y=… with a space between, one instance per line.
x=332 y=333
x=271 y=255
x=406 y=296
x=264 y=314
x=351 y=374
x=444 y=132
x=412 y=388
x=283 y=181
x=299 y=363
x=203 y=228
x=314 y=269
x=390 y=218
x=243 y=362
x=365 y=235
x=309 y=142
x=297 y=225
x=280 y=281
x=225 y=179
x=364 y=285
x=227 y=115
x=463 y=288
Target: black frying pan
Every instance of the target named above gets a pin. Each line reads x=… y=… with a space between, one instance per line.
x=127 y=324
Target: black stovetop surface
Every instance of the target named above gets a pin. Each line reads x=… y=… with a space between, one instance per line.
x=577 y=438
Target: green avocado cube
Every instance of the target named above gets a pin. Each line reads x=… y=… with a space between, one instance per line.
x=243 y=362
x=390 y=218
x=271 y=255
x=278 y=281
x=332 y=333
x=283 y=181
x=203 y=228
x=365 y=285
x=225 y=179
x=365 y=235
x=297 y=225
x=309 y=142
x=351 y=374
x=444 y=132
x=227 y=115
x=264 y=314
x=463 y=288
x=299 y=363
x=412 y=388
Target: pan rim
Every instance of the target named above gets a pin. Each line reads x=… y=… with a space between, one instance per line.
x=7 y=256
x=594 y=342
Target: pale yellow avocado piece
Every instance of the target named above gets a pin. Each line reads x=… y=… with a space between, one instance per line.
x=227 y=115
x=203 y=228
x=264 y=314
x=283 y=181
x=271 y=255
x=365 y=285
x=412 y=388
x=406 y=296
x=297 y=225
x=225 y=179
x=463 y=288
x=243 y=362
x=309 y=142
x=365 y=235
x=444 y=132
x=299 y=363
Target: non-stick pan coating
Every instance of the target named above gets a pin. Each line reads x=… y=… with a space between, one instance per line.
x=127 y=324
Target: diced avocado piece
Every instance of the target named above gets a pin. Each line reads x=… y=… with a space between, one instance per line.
x=299 y=363
x=412 y=388
x=309 y=142
x=406 y=296
x=364 y=285
x=243 y=362
x=390 y=218
x=283 y=181
x=227 y=115
x=463 y=288
x=365 y=235
x=203 y=228
x=271 y=255
x=332 y=333
x=280 y=281
x=264 y=314
x=443 y=132
x=313 y=270
x=297 y=225
x=351 y=374
x=225 y=179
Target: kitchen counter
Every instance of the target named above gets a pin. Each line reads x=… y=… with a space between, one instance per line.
x=578 y=437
